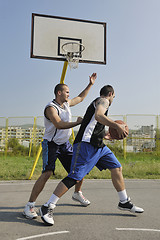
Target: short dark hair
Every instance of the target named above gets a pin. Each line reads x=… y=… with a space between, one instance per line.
x=106 y=89
x=59 y=87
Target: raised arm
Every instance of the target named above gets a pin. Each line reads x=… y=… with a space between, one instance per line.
x=52 y=115
x=83 y=94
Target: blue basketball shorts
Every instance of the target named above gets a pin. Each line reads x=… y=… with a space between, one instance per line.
x=86 y=156
x=51 y=151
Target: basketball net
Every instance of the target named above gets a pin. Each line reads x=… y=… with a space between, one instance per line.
x=73 y=61
x=72 y=52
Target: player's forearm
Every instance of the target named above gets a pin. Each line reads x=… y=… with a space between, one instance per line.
x=84 y=93
x=106 y=121
x=66 y=125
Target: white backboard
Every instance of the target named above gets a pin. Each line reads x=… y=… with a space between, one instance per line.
x=49 y=33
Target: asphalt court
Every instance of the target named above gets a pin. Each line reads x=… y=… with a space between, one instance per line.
x=101 y=220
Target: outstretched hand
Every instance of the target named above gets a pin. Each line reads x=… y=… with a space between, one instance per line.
x=92 y=78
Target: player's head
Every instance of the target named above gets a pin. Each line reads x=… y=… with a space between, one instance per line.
x=108 y=91
x=61 y=91
x=59 y=87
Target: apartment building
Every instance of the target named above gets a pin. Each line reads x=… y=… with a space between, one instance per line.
x=23 y=134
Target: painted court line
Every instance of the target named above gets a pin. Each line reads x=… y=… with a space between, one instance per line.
x=138 y=229
x=42 y=235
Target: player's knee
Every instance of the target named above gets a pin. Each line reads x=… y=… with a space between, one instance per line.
x=116 y=170
x=78 y=181
x=69 y=182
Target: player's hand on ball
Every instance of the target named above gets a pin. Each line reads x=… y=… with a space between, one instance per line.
x=108 y=136
x=122 y=133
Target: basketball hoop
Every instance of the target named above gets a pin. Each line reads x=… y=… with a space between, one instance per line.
x=73 y=52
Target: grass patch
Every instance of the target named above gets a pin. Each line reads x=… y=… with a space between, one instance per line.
x=136 y=166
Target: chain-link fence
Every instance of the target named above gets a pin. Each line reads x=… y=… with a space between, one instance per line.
x=144 y=133
x=27 y=130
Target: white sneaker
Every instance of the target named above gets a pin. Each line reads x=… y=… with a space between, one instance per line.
x=30 y=211
x=46 y=213
x=128 y=206
x=78 y=196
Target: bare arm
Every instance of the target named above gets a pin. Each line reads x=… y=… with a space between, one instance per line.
x=83 y=94
x=101 y=107
x=52 y=115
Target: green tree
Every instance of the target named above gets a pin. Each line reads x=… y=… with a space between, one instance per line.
x=16 y=148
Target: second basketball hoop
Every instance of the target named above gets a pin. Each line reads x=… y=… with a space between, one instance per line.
x=73 y=52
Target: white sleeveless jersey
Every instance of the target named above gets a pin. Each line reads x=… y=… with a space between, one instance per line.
x=59 y=136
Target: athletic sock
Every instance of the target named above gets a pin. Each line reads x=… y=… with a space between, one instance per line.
x=53 y=199
x=122 y=195
x=31 y=203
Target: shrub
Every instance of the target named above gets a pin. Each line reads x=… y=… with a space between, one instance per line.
x=16 y=148
x=116 y=149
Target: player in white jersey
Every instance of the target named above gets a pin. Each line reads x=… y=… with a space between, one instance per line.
x=57 y=120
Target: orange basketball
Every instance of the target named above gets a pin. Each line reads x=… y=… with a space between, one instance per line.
x=113 y=131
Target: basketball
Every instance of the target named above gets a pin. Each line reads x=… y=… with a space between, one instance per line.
x=113 y=131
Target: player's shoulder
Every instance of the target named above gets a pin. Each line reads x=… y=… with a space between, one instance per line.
x=102 y=101
x=52 y=105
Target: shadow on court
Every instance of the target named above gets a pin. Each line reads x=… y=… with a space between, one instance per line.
x=101 y=220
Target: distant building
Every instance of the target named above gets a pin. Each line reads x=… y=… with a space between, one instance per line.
x=23 y=134
x=142 y=139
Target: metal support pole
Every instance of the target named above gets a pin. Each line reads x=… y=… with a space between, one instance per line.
x=33 y=136
x=64 y=72
x=35 y=162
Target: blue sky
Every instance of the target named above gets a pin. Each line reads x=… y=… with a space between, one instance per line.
x=133 y=56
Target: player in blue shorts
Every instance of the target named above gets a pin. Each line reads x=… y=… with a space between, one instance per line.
x=89 y=151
